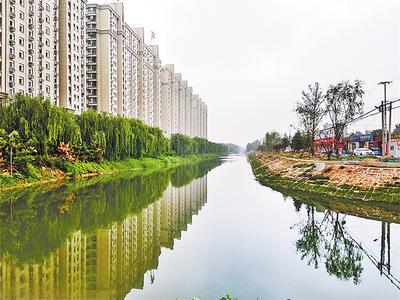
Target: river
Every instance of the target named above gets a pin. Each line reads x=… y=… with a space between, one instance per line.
x=197 y=231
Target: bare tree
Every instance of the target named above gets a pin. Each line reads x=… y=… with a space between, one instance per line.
x=311 y=111
x=343 y=104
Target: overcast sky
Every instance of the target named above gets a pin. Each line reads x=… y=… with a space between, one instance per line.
x=249 y=60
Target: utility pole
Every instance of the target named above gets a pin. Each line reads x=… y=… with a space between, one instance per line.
x=385 y=146
x=390 y=125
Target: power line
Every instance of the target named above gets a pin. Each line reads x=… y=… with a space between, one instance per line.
x=364 y=116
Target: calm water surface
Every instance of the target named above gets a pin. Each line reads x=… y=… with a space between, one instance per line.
x=201 y=231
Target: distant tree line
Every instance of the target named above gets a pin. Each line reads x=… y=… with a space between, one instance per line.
x=33 y=129
x=184 y=145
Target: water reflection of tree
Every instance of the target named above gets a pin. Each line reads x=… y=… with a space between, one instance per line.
x=309 y=245
x=325 y=239
x=343 y=257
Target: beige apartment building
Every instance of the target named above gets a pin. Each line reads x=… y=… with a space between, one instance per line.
x=85 y=56
x=156 y=87
x=101 y=58
x=167 y=75
x=188 y=110
x=176 y=93
x=149 y=72
x=29 y=45
x=72 y=54
x=181 y=108
x=129 y=69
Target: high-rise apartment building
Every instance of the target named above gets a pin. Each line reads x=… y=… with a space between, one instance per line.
x=181 y=106
x=188 y=110
x=149 y=68
x=127 y=65
x=85 y=56
x=101 y=58
x=156 y=86
x=72 y=54
x=28 y=49
x=130 y=70
x=176 y=86
x=167 y=78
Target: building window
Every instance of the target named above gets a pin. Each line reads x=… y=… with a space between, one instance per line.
x=21 y=80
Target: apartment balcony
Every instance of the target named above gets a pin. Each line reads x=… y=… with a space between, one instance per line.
x=30 y=90
x=12 y=56
x=41 y=32
x=12 y=70
x=31 y=2
x=31 y=39
x=31 y=14
x=30 y=51
x=12 y=29
x=30 y=64
x=11 y=83
x=41 y=20
x=30 y=76
x=12 y=43
x=12 y=1
x=12 y=15
x=41 y=7
x=31 y=26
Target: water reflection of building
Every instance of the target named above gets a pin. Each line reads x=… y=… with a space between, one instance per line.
x=107 y=263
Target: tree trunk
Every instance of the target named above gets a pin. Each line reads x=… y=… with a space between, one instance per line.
x=11 y=161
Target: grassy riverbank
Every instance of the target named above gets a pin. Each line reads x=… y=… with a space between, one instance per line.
x=66 y=170
x=302 y=177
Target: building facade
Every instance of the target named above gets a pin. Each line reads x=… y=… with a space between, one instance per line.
x=167 y=73
x=72 y=55
x=101 y=58
x=85 y=56
x=29 y=48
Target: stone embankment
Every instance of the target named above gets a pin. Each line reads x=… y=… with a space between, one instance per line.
x=358 y=182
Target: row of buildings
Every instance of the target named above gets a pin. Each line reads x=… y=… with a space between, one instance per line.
x=350 y=142
x=85 y=56
x=108 y=262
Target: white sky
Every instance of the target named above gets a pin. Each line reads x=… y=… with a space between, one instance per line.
x=249 y=60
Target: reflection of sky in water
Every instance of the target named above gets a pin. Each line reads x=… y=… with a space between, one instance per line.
x=244 y=243
x=180 y=234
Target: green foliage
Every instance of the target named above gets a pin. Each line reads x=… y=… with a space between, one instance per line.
x=32 y=129
x=272 y=142
x=299 y=141
x=184 y=145
x=32 y=226
x=310 y=111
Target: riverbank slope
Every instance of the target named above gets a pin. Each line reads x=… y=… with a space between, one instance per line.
x=76 y=170
x=339 y=181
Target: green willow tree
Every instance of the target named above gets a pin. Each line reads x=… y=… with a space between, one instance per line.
x=47 y=131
